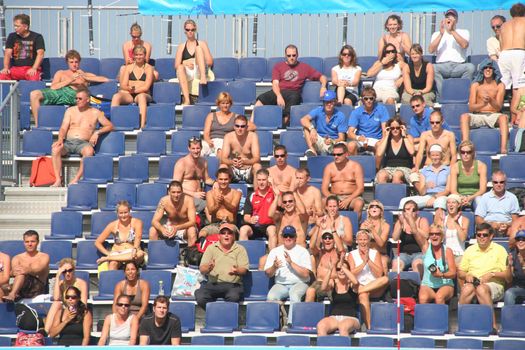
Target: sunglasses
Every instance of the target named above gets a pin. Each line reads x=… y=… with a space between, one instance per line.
x=496 y=27
x=135 y=37
x=390 y=51
x=435 y=123
x=279 y=156
x=345 y=54
x=484 y=235
x=327 y=237
x=466 y=152
x=295 y=55
x=194 y=139
x=226 y=232
x=122 y=305
x=240 y=126
x=395 y=128
x=368 y=98
x=434 y=233
x=71 y=297
x=338 y=154
x=69 y=270
x=521 y=239
x=415 y=106
x=372 y=206
x=338 y=269
x=288 y=235
x=498 y=182
x=190 y=30
x=288 y=201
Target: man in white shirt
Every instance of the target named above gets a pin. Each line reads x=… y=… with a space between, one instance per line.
x=493 y=45
x=450 y=44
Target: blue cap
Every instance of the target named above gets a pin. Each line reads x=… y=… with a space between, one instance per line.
x=289 y=230
x=329 y=95
x=520 y=234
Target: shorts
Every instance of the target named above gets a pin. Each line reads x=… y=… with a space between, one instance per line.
x=322 y=148
x=370 y=141
x=407 y=259
x=342 y=197
x=384 y=93
x=319 y=293
x=512 y=67
x=75 y=146
x=351 y=95
x=391 y=170
x=259 y=231
x=20 y=73
x=32 y=287
x=207 y=150
x=496 y=291
x=340 y=318
x=179 y=235
x=477 y=120
x=241 y=174
x=62 y=96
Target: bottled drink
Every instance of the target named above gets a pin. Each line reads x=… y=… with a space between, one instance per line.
x=161 y=288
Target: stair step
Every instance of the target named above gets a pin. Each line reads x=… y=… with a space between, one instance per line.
x=35 y=194
x=30 y=207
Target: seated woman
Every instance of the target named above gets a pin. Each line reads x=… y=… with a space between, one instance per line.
x=136 y=39
x=193 y=61
x=65 y=278
x=366 y=265
x=408 y=225
x=395 y=36
x=343 y=313
x=137 y=289
x=127 y=234
x=120 y=327
x=333 y=221
x=516 y=272
x=439 y=269
x=346 y=76
x=135 y=81
x=468 y=176
x=218 y=124
x=388 y=71
x=380 y=229
x=72 y=325
x=455 y=225
x=394 y=153
x=418 y=77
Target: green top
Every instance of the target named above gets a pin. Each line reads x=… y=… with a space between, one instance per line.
x=468 y=184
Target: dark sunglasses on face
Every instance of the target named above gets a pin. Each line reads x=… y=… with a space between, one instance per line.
x=368 y=98
x=466 y=152
x=287 y=235
x=338 y=269
x=226 y=232
x=293 y=55
x=390 y=51
x=338 y=154
x=279 y=156
x=372 y=206
x=327 y=237
x=498 y=182
x=345 y=54
x=71 y=297
x=240 y=126
x=288 y=201
x=435 y=123
x=122 y=305
x=484 y=235
x=521 y=239
x=135 y=37
x=190 y=30
x=395 y=128
x=496 y=27
x=434 y=234
x=69 y=270
x=415 y=106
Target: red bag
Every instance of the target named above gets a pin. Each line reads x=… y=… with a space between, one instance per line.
x=410 y=305
x=201 y=247
x=42 y=173
x=31 y=339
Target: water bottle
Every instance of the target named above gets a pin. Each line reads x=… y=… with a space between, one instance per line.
x=161 y=288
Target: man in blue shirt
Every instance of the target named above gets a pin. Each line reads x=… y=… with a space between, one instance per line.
x=366 y=124
x=324 y=126
x=420 y=120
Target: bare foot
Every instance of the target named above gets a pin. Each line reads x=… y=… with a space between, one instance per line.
x=8 y=298
x=203 y=81
x=74 y=181
x=102 y=260
x=186 y=102
x=57 y=184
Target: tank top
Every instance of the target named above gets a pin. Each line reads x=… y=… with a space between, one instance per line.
x=186 y=54
x=452 y=239
x=400 y=159
x=408 y=242
x=120 y=334
x=386 y=78
x=365 y=276
x=518 y=276
x=468 y=184
x=136 y=299
x=63 y=288
x=418 y=82
x=428 y=279
x=344 y=304
x=218 y=130
x=72 y=333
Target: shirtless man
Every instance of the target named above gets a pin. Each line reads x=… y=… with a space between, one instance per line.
x=30 y=270
x=345 y=179
x=192 y=172
x=485 y=104
x=446 y=139
x=512 y=56
x=77 y=134
x=240 y=151
x=310 y=195
x=174 y=217
x=5 y=270
x=282 y=175
x=64 y=85
x=222 y=203
x=288 y=210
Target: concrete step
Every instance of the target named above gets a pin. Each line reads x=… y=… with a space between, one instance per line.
x=35 y=194
x=18 y=208
x=17 y=232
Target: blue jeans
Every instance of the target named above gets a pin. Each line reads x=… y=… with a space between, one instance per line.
x=447 y=70
x=283 y=291
x=512 y=293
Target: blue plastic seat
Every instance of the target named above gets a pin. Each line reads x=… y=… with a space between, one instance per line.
x=383 y=318
x=252 y=68
x=255 y=249
x=390 y=194
x=294 y=142
x=474 y=320
x=333 y=340
x=265 y=142
x=65 y=225
x=299 y=111
x=369 y=166
x=148 y=196
x=238 y=109
x=163 y=254
x=310 y=92
x=221 y=317
x=57 y=250
x=455 y=90
x=373 y=341
x=512 y=321
x=90 y=65
x=87 y=256
x=365 y=62
x=82 y=196
x=452 y=112
x=207 y=340
x=110 y=144
x=104 y=90
x=106 y=284
x=125 y=118
x=166 y=166
x=417 y=343
x=268 y=117
x=509 y=344
x=256 y=286
x=26 y=86
x=164 y=92
x=391 y=109
x=97 y=170
x=293 y=340
x=317 y=165
x=185 y=311
x=464 y=343
x=405 y=112
x=213 y=166
x=208 y=93
x=151 y=143
x=262 y=317
x=8 y=318
x=430 y=319
x=313 y=61
x=119 y=191
x=225 y=68
x=242 y=91
x=161 y=117
x=51 y=65
x=36 y=143
x=110 y=67
x=406 y=275
x=306 y=315
x=179 y=140
x=12 y=247
x=154 y=277
x=50 y=117
x=250 y=340
x=99 y=221
x=514 y=167
x=270 y=62
x=328 y=64
x=133 y=169
x=487 y=141
x=294 y=161
x=193 y=117
x=145 y=216
x=476 y=59
x=165 y=68
x=6 y=341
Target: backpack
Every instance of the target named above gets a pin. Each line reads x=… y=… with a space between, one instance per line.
x=192 y=255
x=408 y=292
x=42 y=173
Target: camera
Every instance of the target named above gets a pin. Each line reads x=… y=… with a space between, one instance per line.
x=475 y=281
x=432 y=268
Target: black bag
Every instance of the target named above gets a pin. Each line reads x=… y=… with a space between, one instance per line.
x=27 y=318
x=192 y=256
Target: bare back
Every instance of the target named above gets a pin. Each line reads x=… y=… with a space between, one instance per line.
x=513 y=34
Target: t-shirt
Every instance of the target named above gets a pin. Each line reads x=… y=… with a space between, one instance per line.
x=224 y=261
x=292 y=78
x=337 y=124
x=347 y=74
x=418 y=125
x=448 y=49
x=284 y=274
x=257 y=204
x=160 y=335
x=497 y=209
x=477 y=262
x=24 y=49
x=369 y=125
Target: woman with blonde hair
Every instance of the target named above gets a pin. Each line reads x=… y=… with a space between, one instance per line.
x=380 y=230
x=120 y=327
x=418 y=77
x=395 y=36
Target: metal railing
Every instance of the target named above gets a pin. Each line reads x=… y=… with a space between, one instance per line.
x=9 y=137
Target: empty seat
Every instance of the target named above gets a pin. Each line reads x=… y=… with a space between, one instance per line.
x=221 y=317
x=161 y=117
x=365 y=62
x=208 y=93
x=297 y=112
x=179 y=141
x=514 y=167
x=154 y=277
x=87 y=256
x=368 y=163
x=8 y=318
x=148 y=195
x=65 y=225
x=509 y=344
x=36 y=143
x=476 y=59
x=193 y=117
x=99 y=221
x=306 y=315
x=110 y=144
x=57 y=250
x=487 y=141
x=207 y=340
x=242 y=91
x=294 y=142
x=373 y=341
x=26 y=86
x=268 y=117
x=125 y=118
x=464 y=343
x=317 y=166
x=151 y=143
x=262 y=317
x=50 y=117
x=133 y=169
x=164 y=92
x=455 y=90
x=250 y=340
x=51 y=65
x=5 y=341
x=333 y=340
x=97 y=170
x=313 y=61
x=265 y=142
x=90 y=65
x=512 y=321
x=256 y=286
x=452 y=112
x=106 y=284
x=225 y=68
x=163 y=254
x=328 y=64
x=310 y=92
x=417 y=343
x=270 y=62
x=120 y=191
x=12 y=247
x=383 y=318
x=185 y=311
x=255 y=249
x=110 y=67
x=165 y=68
x=430 y=319
x=474 y=320
x=252 y=68
x=104 y=90
x=293 y=340
x=166 y=166
x=145 y=216
x=390 y=194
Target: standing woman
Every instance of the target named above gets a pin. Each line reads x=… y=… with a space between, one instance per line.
x=418 y=77
x=192 y=60
x=394 y=36
x=455 y=225
x=120 y=327
x=126 y=232
x=74 y=321
x=137 y=289
x=439 y=268
x=388 y=71
x=136 y=80
x=346 y=76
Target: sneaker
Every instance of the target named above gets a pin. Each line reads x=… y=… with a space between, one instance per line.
x=310 y=153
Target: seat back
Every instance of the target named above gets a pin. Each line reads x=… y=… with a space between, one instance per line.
x=208 y=93
x=512 y=321
x=207 y=340
x=148 y=195
x=110 y=67
x=151 y=143
x=242 y=91
x=372 y=341
x=99 y=221
x=252 y=68
x=164 y=92
x=310 y=92
x=225 y=68
x=256 y=285
x=294 y=142
x=317 y=166
x=250 y=340
x=134 y=169
x=163 y=254
x=293 y=340
x=464 y=343
x=125 y=118
x=57 y=250
x=98 y=170
x=262 y=317
x=66 y=224
x=384 y=318
x=299 y=111
x=154 y=277
x=487 y=141
x=268 y=117
x=185 y=311
x=509 y=344
x=106 y=284
x=455 y=90
x=255 y=249
x=221 y=316
x=305 y=317
x=161 y=117
x=418 y=343
x=166 y=165
x=193 y=117
x=36 y=143
x=333 y=340
x=119 y=191
x=111 y=144
x=390 y=194
x=50 y=117
x=87 y=255
x=313 y=61
x=474 y=320
x=165 y=68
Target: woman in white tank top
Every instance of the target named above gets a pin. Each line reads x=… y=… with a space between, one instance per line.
x=121 y=327
x=456 y=227
x=389 y=75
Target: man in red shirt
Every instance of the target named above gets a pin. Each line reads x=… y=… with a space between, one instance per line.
x=288 y=78
x=256 y=220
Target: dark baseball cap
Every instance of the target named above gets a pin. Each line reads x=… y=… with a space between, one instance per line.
x=289 y=231
x=452 y=12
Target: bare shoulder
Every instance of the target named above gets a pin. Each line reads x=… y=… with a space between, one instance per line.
x=312 y=191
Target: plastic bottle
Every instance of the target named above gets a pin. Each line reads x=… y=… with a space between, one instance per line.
x=161 y=288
